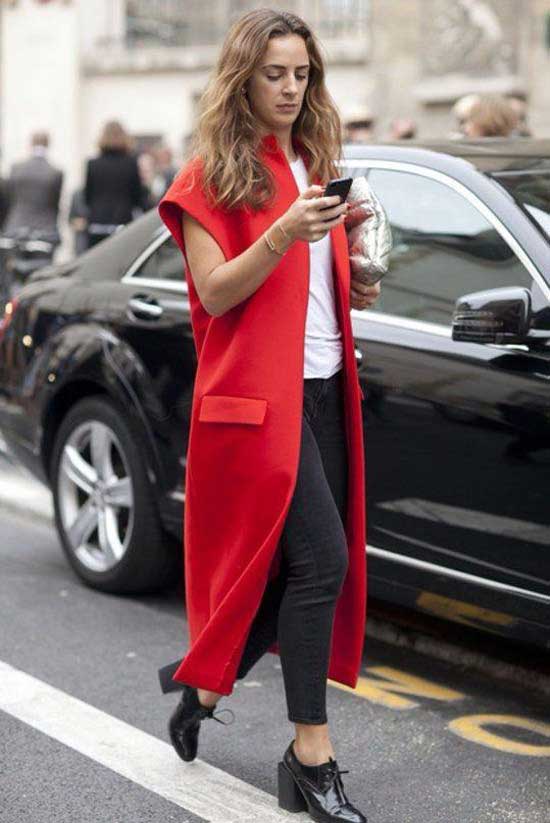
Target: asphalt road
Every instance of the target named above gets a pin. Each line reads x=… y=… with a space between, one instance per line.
x=83 y=722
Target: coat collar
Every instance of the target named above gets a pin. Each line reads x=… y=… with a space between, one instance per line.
x=270 y=144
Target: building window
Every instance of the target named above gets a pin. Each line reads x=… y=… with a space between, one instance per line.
x=196 y=23
x=173 y=23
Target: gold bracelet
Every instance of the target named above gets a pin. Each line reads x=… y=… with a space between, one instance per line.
x=271 y=244
x=286 y=235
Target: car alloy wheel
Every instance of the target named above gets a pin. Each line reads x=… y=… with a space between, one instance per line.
x=106 y=501
x=96 y=499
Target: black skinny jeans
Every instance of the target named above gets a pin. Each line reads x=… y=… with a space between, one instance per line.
x=298 y=607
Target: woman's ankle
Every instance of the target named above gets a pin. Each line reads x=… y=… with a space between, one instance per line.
x=312 y=745
x=208 y=698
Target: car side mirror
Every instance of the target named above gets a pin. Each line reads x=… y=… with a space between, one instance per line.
x=494 y=316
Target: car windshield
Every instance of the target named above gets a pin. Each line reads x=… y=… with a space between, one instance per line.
x=530 y=188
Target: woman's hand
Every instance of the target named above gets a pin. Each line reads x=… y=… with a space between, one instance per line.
x=304 y=220
x=363 y=296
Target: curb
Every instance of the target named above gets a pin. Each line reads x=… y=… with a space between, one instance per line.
x=475 y=661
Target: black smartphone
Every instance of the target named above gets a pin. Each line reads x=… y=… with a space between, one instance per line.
x=340 y=185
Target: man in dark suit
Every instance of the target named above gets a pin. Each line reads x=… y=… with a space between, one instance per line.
x=4 y=201
x=34 y=190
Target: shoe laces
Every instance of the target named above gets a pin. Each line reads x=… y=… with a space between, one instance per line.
x=211 y=712
x=332 y=772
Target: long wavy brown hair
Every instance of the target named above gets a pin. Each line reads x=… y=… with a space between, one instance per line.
x=228 y=135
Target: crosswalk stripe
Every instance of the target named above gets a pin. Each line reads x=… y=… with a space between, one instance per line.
x=197 y=787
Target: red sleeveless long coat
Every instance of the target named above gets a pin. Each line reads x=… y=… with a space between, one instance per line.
x=245 y=434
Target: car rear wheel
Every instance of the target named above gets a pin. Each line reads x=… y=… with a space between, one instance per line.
x=105 y=510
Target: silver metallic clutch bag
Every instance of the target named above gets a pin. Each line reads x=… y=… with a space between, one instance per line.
x=369 y=234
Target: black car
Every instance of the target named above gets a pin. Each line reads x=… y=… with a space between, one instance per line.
x=97 y=363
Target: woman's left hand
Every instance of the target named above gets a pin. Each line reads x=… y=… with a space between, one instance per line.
x=363 y=296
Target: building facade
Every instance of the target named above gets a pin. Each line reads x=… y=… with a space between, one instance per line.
x=69 y=65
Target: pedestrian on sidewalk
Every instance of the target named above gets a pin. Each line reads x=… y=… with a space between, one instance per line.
x=274 y=529
x=113 y=191
x=34 y=194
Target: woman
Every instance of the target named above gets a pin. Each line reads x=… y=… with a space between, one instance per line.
x=113 y=187
x=275 y=506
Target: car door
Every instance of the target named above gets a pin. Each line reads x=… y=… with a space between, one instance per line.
x=158 y=328
x=457 y=434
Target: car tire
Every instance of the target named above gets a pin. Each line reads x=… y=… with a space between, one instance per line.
x=98 y=476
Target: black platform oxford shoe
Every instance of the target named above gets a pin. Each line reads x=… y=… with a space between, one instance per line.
x=316 y=789
x=184 y=724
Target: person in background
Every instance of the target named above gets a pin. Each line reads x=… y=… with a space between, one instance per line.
x=519 y=104
x=359 y=127
x=187 y=145
x=113 y=191
x=461 y=110
x=4 y=201
x=164 y=172
x=5 y=291
x=146 y=164
x=33 y=193
x=402 y=128
x=491 y=116
x=78 y=221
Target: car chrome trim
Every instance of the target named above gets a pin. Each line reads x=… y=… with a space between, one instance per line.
x=130 y=274
x=460 y=188
x=434 y=568
x=152 y=282
x=402 y=322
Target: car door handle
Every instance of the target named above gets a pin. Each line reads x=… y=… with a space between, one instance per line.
x=145 y=307
x=358 y=355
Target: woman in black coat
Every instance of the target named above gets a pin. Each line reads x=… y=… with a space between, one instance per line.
x=113 y=187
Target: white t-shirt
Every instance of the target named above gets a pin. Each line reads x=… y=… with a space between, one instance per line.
x=323 y=353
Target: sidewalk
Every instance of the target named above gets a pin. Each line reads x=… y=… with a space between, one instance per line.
x=20 y=491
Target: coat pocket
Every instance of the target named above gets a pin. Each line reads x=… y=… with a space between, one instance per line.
x=224 y=408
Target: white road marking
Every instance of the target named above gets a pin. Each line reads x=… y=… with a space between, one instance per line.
x=149 y=762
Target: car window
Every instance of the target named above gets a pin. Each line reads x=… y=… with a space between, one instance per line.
x=530 y=188
x=443 y=247
x=165 y=263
